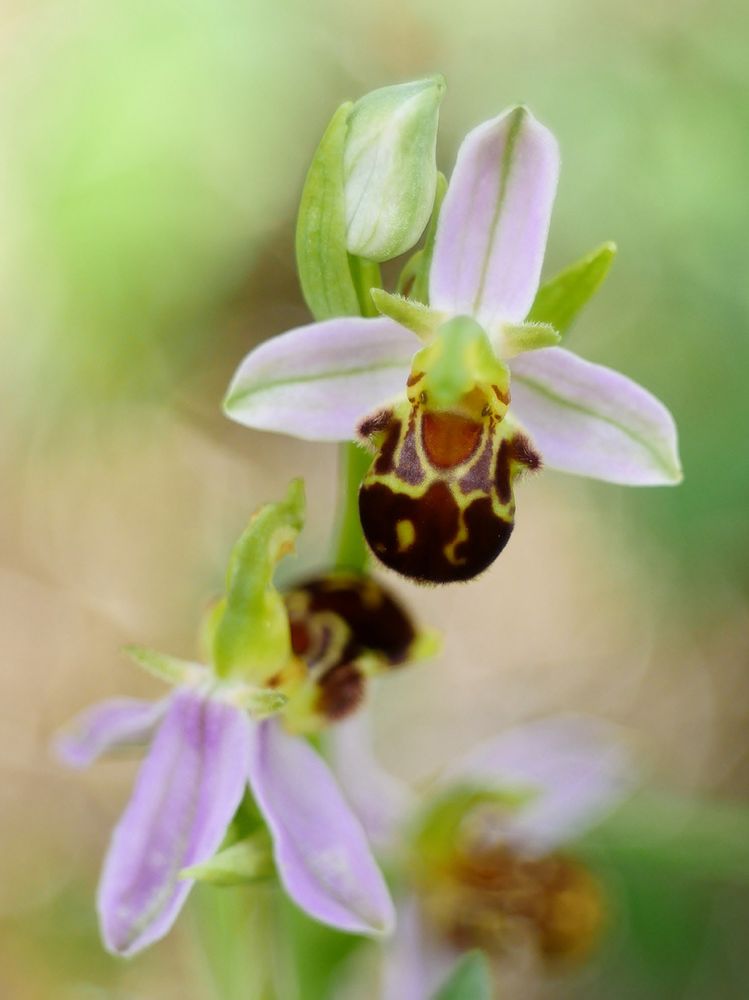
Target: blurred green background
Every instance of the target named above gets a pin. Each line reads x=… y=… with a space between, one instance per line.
x=153 y=155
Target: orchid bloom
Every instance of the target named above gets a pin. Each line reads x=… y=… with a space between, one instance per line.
x=488 y=394
x=211 y=740
x=485 y=858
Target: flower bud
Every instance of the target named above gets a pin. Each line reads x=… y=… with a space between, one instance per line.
x=390 y=170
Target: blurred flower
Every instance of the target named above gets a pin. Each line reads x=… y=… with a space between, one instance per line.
x=438 y=503
x=484 y=858
x=205 y=751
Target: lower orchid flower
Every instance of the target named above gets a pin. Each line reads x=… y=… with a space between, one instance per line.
x=234 y=726
x=490 y=393
x=487 y=861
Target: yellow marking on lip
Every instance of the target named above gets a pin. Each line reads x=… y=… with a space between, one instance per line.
x=406 y=534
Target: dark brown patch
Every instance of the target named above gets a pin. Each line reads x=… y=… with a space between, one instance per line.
x=376 y=423
x=449 y=439
x=341 y=691
x=487 y=535
x=384 y=461
x=414 y=378
x=375 y=619
x=524 y=454
x=503 y=473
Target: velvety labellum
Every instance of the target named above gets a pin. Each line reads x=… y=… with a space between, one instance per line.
x=437 y=504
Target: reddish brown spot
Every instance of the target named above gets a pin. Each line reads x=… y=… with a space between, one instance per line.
x=449 y=439
x=300 y=637
x=341 y=691
x=414 y=378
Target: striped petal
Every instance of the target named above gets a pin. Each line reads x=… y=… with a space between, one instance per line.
x=185 y=796
x=592 y=421
x=494 y=220
x=321 y=851
x=115 y=724
x=317 y=381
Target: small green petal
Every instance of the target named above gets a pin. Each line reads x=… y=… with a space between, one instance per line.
x=415 y=316
x=251 y=639
x=166 y=668
x=559 y=300
x=514 y=339
x=248 y=860
x=322 y=258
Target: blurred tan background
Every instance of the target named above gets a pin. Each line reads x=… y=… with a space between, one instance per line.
x=154 y=153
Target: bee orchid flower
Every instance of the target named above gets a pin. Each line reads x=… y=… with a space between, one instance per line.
x=218 y=734
x=486 y=858
x=458 y=395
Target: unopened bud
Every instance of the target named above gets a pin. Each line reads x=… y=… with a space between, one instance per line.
x=390 y=169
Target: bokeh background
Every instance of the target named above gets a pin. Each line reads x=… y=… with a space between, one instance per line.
x=153 y=155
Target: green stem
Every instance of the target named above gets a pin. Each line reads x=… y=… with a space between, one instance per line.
x=350 y=550
x=366 y=276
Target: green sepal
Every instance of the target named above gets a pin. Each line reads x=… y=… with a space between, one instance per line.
x=167 y=668
x=559 y=300
x=413 y=281
x=517 y=338
x=321 y=255
x=248 y=860
x=415 y=316
x=251 y=637
x=459 y=358
x=470 y=979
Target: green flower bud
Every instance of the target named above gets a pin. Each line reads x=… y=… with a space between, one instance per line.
x=390 y=171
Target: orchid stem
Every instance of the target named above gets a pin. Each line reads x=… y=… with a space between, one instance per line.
x=350 y=548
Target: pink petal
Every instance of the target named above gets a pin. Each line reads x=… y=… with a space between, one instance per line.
x=575 y=769
x=494 y=220
x=321 y=851
x=185 y=796
x=111 y=725
x=592 y=421
x=318 y=381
